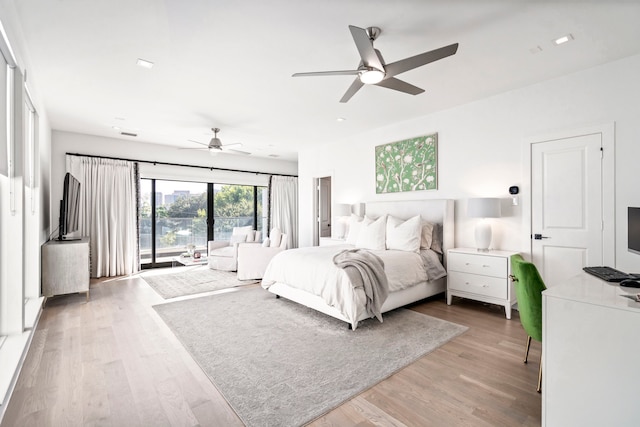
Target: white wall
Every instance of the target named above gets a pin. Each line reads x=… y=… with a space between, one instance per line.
x=481 y=151
x=69 y=142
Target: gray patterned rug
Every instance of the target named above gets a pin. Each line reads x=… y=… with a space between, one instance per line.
x=187 y=281
x=282 y=364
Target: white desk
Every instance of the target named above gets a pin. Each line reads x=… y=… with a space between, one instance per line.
x=591 y=354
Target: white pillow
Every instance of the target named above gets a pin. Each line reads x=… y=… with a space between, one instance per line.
x=266 y=243
x=355 y=222
x=251 y=236
x=427 y=235
x=404 y=235
x=275 y=236
x=238 y=238
x=372 y=234
x=242 y=231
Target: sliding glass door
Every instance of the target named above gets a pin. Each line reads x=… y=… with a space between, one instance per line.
x=174 y=214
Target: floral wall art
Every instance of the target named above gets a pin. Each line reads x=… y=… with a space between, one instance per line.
x=408 y=165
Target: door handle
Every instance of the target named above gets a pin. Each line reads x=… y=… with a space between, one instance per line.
x=539 y=237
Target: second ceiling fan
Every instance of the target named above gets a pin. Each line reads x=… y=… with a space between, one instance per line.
x=215 y=145
x=373 y=70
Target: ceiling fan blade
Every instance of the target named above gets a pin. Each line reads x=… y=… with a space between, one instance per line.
x=235 y=144
x=407 y=64
x=355 y=86
x=198 y=142
x=194 y=148
x=327 y=73
x=365 y=48
x=246 y=153
x=401 y=86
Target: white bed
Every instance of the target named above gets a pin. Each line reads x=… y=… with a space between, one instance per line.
x=352 y=301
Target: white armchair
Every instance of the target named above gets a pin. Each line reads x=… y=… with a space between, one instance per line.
x=253 y=259
x=223 y=255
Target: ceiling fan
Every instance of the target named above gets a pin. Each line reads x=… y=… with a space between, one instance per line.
x=373 y=70
x=215 y=145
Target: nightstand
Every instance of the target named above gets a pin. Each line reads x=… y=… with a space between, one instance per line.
x=331 y=241
x=481 y=276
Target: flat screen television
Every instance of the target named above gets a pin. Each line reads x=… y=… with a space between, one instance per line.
x=633 y=230
x=69 y=207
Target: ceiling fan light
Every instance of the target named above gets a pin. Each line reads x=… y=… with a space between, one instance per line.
x=371 y=77
x=213 y=151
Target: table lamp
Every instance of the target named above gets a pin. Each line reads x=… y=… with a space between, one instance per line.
x=341 y=213
x=485 y=207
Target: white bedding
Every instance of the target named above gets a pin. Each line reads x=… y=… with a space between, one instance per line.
x=312 y=270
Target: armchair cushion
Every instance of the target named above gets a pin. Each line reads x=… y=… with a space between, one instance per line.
x=238 y=238
x=223 y=255
x=275 y=236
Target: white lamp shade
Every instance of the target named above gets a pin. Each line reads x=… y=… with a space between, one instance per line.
x=484 y=207
x=341 y=209
x=358 y=209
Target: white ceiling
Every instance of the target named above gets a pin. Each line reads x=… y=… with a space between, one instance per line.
x=229 y=63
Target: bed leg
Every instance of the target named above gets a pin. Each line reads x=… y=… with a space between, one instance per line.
x=349 y=326
x=277 y=296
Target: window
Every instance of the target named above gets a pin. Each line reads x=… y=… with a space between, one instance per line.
x=174 y=214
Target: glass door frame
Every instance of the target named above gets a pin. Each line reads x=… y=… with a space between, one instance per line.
x=210 y=221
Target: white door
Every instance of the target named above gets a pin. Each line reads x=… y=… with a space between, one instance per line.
x=566 y=210
x=325 y=207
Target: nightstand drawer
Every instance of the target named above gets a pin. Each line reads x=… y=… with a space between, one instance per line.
x=480 y=285
x=478 y=264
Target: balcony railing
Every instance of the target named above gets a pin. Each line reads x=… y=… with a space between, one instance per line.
x=174 y=234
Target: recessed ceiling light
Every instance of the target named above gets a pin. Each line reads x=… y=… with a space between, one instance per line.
x=115 y=127
x=144 y=63
x=341 y=119
x=563 y=39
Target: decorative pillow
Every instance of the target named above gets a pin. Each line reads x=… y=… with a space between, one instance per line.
x=251 y=236
x=404 y=235
x=238 y=238
x=427 y=235
x=436 y=244
x=275 y=236
x=355 y=223
x=237 y=231
x=372 y=234
x=266 y=243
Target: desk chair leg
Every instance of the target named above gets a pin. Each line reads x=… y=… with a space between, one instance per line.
x=526 y=352
x=540 y=376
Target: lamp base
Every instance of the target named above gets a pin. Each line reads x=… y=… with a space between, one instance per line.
x=483 y=236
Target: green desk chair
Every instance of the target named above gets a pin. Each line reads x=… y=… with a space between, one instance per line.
x=529 y=286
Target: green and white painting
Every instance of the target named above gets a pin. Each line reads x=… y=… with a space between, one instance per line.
x=408 y=165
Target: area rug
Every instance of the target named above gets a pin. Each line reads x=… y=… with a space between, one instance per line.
x=279 y=363
x=178 y=283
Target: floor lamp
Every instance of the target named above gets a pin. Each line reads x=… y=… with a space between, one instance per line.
x=483 y=208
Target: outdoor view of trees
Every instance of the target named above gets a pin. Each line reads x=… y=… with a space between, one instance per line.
x=183 y=220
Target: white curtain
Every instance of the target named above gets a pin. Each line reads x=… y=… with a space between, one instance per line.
x=108 y=213
x=283 y=207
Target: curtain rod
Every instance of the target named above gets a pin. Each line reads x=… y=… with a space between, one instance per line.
x=179 y=164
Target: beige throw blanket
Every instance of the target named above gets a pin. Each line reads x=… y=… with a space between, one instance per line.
x=367 y=270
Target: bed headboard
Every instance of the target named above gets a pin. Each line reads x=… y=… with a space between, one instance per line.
x=434 y=210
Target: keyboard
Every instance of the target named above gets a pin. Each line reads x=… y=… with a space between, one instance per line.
x=608 y=274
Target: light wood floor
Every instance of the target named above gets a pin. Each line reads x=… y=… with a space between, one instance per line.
x=112 y=361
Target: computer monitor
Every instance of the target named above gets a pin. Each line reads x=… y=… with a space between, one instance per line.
x=633 y=230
